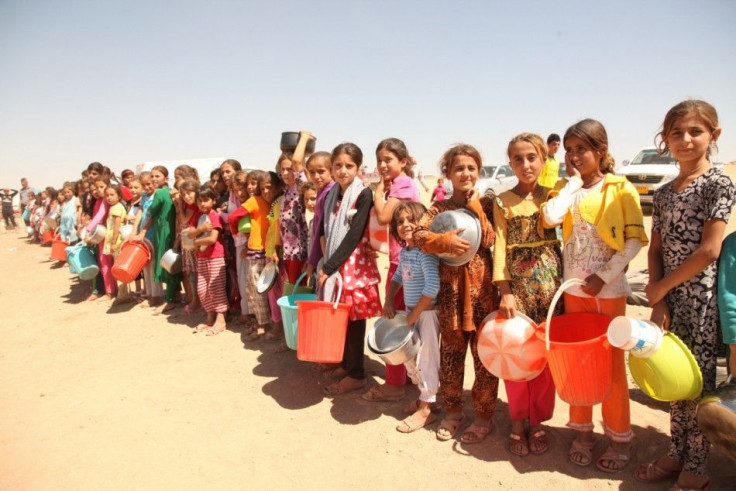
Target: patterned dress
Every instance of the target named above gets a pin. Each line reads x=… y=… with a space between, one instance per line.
x=680 y=219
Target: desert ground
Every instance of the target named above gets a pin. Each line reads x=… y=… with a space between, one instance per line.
x=96 y=396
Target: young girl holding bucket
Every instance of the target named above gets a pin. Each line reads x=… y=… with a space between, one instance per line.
x=418 y=278
x=394 y=187
x=603 y=229
x=527 y=266
x=348 y=252
x=113 y=239
x=688 y=224
x=465 y=298
x=189 y=214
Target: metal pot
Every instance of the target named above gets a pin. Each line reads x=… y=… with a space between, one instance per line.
x=171 y=261
x=452 y=220
x=98 y=235
x=393 y=340
x=289 y=139
x=51 y=220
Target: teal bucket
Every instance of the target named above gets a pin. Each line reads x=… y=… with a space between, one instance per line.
x=82 y=262
x=288 y=308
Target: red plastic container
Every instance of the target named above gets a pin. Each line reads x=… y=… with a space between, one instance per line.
x=132 y=259
x=321 y=329
x=47 y=237
x=58 y=249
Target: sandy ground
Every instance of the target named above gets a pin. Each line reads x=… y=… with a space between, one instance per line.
x=95 y=397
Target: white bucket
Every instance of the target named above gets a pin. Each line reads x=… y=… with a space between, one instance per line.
x=641 y=338
x=125 y=231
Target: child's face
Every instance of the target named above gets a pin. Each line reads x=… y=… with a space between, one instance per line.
x=344 y=170
x=440 y=181
x=111 y=196
x=389 y=165
x=582 y=157
x=100 y=188
x=227 y=172
x=61 y=197
x=126 y=180
x=205 y=204
x=463 y=174
x=147 y=184
x=92 y=175
x=241 y=191
x=158 y=179
x=267 y=191
x=405 y=226
x=286 y=169
x=525 y=162
x=310 y=199
x=189 y=197
x=319 y=173
x=136 y=189
x=689 y=138
x=552 y=148
x=68 y=193
x=252 y=187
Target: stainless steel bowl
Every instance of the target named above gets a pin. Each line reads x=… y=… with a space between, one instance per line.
x=393 y=340
x=452 y=220
x=171 y=261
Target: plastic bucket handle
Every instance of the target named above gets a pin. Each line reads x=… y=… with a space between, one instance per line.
x=299 y=280
x=339 y=288
x=564 y=286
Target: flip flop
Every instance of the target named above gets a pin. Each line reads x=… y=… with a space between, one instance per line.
x=616 y=460
x=653 y=472
x=377 y=394
x=540 y=438
x=448 y=428
x=584 y=450
x=409 y=425
x=476 y=433
x=518 y=445
x=338 y=388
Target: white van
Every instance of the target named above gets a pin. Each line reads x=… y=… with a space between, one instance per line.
x=649 y=171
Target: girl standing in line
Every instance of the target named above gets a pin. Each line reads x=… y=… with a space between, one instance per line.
x=527 y=267
x=465 y=298
x=68 y=221
x=161 y=216
x=99 y=216
x=275 y=254
x=113 y=240
x=603 y=230
x=229 y=203
x=689 y=220
x=418 y=278
x=292 y=224
x=189 y=214
x=210 y=266
x=319 y=170
x=348 y=252
x=394 y=187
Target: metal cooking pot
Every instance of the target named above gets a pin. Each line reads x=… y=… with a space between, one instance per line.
x=452 y=220
x=171 y=261
x=289 y=139
x=51 y=220
x=98 y=235
x=393 y=340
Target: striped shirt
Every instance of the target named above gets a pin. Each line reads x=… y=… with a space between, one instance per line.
x=419 y=274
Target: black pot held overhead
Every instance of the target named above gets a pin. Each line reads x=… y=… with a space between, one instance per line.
x=289 y=139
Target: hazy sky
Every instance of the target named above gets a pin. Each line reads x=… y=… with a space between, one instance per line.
x=127 y=82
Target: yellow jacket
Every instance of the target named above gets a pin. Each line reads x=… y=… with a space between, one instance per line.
x=615 y=213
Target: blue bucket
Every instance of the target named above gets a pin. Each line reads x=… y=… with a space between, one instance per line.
x=289 y=315
x=82 y=262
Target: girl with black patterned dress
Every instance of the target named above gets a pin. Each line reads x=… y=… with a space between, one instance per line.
x=688 y=224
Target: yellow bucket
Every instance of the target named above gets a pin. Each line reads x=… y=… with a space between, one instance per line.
x=671 y=374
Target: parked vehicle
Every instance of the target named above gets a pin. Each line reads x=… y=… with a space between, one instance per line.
x=499 y=178
x=649 y=171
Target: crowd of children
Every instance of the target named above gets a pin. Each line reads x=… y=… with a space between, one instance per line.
x=312 y=216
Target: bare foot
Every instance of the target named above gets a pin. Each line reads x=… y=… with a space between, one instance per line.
x=93 y=297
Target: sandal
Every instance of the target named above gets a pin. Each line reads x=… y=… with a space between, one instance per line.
x=653 y=472
x=476 y=433
x=253 y=335
x=613 y=460
x=411 y=424
x=518 y=445
x=538 y=443
x=342 y=387
x=216 y=329
x=448 y=428
x=379 y=394
x=581 y=453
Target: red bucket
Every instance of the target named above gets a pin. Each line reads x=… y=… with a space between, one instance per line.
x=131 y=261
x=47 y=237
x=321 y=329
x=579 y=354
x=58 y=249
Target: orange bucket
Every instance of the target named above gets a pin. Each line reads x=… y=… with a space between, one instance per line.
x=47 y=237
x=58 y=249
x=579 y=354
x=129 y=264
x=321 y=329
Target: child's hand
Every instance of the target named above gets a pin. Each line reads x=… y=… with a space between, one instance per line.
x=309 y=271
x=458 y=245
x=413 y=317
x=206 y=226
x=593 y=285
x=388 y=310
x=244 y=253
x=507 y=307
x=661 y=315
x=321 y=279
x=655 y=292
x=472 y=194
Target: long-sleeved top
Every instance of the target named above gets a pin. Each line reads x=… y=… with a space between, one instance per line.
x=358 y=224
x=315 y=251
x=419 y=274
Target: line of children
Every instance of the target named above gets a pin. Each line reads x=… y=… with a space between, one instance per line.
x=602 y=226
